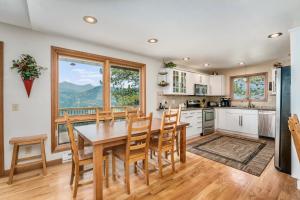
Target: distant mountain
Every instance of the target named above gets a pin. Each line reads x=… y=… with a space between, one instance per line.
x=72 y=95
x=73 y=88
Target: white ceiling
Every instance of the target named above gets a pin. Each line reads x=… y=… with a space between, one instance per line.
x=221 y=33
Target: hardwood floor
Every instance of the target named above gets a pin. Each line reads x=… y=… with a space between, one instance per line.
x=199 y=178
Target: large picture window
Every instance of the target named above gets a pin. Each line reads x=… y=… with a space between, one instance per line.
x=249 y=87
x=83 y=82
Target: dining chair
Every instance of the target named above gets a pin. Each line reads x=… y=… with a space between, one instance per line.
x=104 y=116
x=165 y=141
x=136 y=148
x=80 y=158
x=294 y=127
x=132 y=112
x=177 y=110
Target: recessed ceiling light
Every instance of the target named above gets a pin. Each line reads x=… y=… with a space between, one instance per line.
x=242 y=63
x=153 y=40
x=186 y=58
x=90 y=19
x=206 y=65
x=274 y=35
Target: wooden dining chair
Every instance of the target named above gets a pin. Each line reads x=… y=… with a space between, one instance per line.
x=104 y=116
x=165 y=141
x=178 y=110
x=80 y=158
x=132 y=112
x=294 y=127
x=136 y=148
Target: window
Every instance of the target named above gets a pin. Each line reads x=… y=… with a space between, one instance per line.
x=83 y=82
x=125 y=87
x=252 y=87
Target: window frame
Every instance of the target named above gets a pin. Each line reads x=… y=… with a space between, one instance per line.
x=107 y=62
x=248 y=76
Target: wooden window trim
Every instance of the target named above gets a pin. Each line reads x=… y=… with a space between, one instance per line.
x=1 y=110
x=265 y=74
x=58 y=51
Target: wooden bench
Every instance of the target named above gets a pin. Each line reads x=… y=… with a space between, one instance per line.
x=22 y=141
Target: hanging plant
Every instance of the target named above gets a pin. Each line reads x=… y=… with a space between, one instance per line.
x=170 y=65
x=28 y=69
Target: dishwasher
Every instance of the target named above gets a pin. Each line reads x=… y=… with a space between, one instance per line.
x=266 y=123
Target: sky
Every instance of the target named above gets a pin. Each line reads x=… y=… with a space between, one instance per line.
x=80 y=74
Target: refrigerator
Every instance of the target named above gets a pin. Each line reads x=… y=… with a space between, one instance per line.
x=282 y=157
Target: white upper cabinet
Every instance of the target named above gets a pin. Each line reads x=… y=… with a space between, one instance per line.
x=216 y=85
x=177 y=80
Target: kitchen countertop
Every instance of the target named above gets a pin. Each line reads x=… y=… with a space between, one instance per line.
x=246 y=108
x=233 y=107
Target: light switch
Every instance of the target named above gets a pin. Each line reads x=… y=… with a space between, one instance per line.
x=15 y=107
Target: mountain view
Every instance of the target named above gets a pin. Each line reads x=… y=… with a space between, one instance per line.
x=72 y=95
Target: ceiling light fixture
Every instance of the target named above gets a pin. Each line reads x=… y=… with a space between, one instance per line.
x=206 y=65
x=242 y=63
x=275 y=35
x=153 y=40
x=186 y=58
x=90 y=19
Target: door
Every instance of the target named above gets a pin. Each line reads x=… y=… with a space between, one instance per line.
x=1 y=110
x=249 y=122
x=233 y=120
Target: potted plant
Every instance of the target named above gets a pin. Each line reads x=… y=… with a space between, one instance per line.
x=170 y=65
x=28 y=69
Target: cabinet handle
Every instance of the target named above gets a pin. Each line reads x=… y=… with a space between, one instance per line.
x=242 y=120
x=239 y=120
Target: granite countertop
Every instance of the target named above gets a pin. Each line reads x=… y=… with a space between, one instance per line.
x=246 y=108
x=233 y=107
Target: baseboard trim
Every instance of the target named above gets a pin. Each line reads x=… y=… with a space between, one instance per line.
x=33 y=167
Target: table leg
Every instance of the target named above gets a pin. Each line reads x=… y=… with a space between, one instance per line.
x=80 y=147
x=98 y=171
x=183 y=144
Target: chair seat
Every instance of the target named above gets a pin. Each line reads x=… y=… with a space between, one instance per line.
x=87 y=153
x=120 y=152
x=154 y=145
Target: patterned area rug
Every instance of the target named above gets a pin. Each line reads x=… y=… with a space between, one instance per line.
x=249 y=155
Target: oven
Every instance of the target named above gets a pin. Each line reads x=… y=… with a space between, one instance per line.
x=208 y=121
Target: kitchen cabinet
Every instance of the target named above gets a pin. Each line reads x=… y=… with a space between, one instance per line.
x=238 y=120
x=177 y=80
x=217 y=85
x=194 y=118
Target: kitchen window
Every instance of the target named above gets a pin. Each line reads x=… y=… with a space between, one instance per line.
x=249 y=87
x=83 y=82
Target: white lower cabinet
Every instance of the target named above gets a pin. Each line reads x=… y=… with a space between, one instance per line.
x=194 y=118
x=237 y=120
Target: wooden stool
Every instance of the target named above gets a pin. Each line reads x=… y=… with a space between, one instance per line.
x=21 y=141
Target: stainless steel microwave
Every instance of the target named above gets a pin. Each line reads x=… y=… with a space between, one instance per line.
x=200 y=90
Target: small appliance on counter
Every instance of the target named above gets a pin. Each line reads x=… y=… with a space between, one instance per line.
x=200 y=90
x=212 y=104
x=225 y=102
x=193 y=103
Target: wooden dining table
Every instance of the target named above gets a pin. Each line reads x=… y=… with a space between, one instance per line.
x=109 y=134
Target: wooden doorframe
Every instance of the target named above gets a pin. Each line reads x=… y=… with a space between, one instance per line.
x=1 y=110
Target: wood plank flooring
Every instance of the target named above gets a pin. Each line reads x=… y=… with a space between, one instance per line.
x=199 y=178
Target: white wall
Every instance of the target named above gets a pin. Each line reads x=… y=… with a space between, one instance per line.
x=34 y=113
x=295 y=63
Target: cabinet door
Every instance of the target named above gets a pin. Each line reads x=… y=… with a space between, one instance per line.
x=190 y=83
x=176 y=81
x=250 y=122
x=233 y=121
x=183 y=82
x=217 y=85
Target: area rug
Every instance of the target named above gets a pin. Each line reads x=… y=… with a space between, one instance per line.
x=246 y=154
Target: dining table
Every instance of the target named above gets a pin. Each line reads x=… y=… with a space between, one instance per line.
x=106 y=135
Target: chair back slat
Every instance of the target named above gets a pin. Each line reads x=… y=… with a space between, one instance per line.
x=132 y=113
x=73 y=144
x=168 y=129
x=294 y=127
x=139 y=130
x=104 y=116
x=178 y=111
